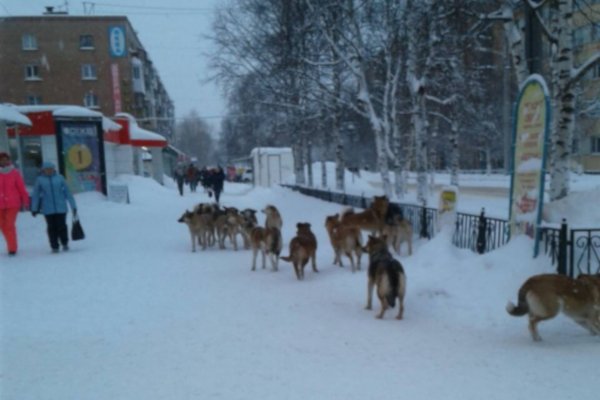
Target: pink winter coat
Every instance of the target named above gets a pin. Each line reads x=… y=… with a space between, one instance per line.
x=12 y=189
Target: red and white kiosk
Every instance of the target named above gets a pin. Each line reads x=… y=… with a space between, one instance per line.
x=139 y=148
x=71 y=137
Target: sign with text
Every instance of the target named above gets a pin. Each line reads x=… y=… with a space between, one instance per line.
x=532 y=123
x=116 y=41
x=118 y=193
x=116 y=85
x=80 y=145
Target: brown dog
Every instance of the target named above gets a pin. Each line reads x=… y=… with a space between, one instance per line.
x=366 y=220
x=544 y=296
x=387 y=274
x=267 y=241
x=371 y=219
x=344 y=239
x=303 y=248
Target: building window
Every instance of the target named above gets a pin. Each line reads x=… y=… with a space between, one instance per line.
x=29 y=42
x=86 y=42
x=32 y=72
x=136 y=72
x=595 y=144
x=88 y=72
x=33 y=100
x=596 y=71
x=90 y=100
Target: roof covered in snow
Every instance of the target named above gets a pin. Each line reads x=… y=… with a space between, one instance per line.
x=271 y=150
x=12 y=115
x=138 y=133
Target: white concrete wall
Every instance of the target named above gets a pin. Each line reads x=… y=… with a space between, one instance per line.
x=118 y=158
x=271 y=167
x=158 y=168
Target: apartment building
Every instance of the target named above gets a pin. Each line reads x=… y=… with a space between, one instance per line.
x=93 y=61
x=586 y=41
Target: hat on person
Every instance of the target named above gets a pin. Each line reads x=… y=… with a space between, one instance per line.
x=48 y=165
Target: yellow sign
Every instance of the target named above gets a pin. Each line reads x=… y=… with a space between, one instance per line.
x=447 y=201
x=80 y=157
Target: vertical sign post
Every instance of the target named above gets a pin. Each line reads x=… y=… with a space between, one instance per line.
x=532 y=122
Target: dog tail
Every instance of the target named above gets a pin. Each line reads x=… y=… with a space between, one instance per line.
x=286 y=258
x=394 y=282
x=522 y=307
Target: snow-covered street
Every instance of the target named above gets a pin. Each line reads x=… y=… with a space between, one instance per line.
x=132 y=313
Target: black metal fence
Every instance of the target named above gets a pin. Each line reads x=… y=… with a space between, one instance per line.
x=479 y=232
x=574 y=251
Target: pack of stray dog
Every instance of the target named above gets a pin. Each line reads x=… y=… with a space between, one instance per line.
x=210 y=223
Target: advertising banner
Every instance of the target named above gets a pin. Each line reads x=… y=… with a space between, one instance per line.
x=82 y=162
x=532 y=124
x=116 y=86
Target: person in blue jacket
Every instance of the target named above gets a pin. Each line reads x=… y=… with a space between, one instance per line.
x=50 y=197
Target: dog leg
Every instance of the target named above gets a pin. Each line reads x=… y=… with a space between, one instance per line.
x=384 y=306
x=273 y=258
x=338 y=259
x=349 y=255
x=234 y=240
x=370 y=286
x=533 y=321
x=193 y=242
x=400 y=308
x=314 y=262
x=254 y=254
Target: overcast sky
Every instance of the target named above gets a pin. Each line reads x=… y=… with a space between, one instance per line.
x=171 y=31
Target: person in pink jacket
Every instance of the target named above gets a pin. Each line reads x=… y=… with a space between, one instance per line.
x=13 y=195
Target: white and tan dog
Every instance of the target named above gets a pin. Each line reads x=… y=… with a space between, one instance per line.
x=273 y=217
x=544 y=296
x=267 y=241
x=200 y=226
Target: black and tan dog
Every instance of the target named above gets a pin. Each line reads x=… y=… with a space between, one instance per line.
x=387 y=274
x=303 y=248
x=248 y=216
x=544 y=296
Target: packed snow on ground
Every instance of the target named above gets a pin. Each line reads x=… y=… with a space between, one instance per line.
x=131 y=313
